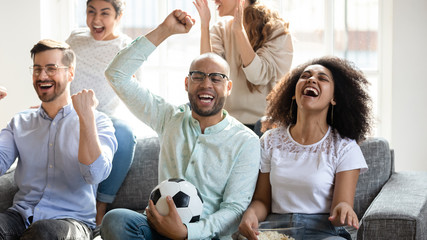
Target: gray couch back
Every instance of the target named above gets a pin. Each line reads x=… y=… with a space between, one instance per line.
x=141 y=178
x=380 y=160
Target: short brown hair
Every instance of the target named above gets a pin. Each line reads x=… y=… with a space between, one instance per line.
x=69 y=58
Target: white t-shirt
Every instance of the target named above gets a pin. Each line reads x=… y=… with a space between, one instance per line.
x=93 y=58
x=302 y=176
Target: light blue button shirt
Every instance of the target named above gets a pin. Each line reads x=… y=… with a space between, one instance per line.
x=52 y=182
x=222 y=162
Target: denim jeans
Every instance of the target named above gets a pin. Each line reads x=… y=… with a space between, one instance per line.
x=317 y=226
x=122 y=162
x=124 y=224
x=12 y=227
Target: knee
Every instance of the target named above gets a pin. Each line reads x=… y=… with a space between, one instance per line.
x=123 y=129
x=110 y=218
x=39 y=230
x=113 y=223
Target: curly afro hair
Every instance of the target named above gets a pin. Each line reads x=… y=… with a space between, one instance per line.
x=352 y=113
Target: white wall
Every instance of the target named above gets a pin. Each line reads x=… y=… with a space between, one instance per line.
x=23 y=23
x=409 y=84
x=20 y=24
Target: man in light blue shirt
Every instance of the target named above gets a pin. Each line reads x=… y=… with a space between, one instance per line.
x=64 y=149
x=202 y=144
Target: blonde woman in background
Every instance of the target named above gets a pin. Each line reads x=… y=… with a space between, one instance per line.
x=257 y=45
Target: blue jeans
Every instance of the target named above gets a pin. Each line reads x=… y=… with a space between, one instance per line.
x=317 y=226
x=12 y=227
x=124 y=224
x=122 y=162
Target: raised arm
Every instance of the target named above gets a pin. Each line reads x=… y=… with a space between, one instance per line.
x=246 y=52
x=205 y=17
x=3 y=92
x=85 y=103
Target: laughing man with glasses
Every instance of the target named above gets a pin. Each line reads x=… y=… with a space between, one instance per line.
x=202 y=144
x=64 y=149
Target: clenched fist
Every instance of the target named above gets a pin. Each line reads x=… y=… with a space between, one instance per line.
x=84 y=103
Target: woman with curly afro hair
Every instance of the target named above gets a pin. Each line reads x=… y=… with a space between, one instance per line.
x=311 y=160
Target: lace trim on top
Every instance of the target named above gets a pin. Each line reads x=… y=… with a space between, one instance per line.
x=281 y=139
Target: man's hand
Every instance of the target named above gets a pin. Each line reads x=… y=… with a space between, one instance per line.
x=175 y=23
x=170 y=225
x=3 y=92
x=84 y=103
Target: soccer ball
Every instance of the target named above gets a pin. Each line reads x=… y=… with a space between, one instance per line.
x=185 y=195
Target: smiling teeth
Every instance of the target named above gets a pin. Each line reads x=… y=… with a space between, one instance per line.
x=206 y=96
x=308 y=89
x=46 y=85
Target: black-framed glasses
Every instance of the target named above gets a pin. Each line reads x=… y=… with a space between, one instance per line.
x=215 y=78
x=50 y=69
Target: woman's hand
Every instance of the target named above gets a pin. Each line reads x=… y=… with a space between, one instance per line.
x=238 y=16
x=204 y=12
x=343 y=214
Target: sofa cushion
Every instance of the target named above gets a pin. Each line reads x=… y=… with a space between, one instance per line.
x=141 y=178
x=7 y=190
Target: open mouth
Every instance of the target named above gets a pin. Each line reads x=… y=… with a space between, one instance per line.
x=45 y=85
x=311 y=92
x=98 y=29
x=206 y=98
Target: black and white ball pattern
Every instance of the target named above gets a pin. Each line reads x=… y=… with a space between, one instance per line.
x=185 y=195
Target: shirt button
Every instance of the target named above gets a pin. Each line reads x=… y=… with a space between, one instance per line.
x=50 y=144
x=50 y=166
x=53 y=124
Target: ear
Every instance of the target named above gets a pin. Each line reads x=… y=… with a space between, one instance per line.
x=71 y=71
x=333 y=101
x=186 y=83
x=229 y=87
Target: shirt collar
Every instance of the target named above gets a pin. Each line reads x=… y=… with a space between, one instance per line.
x=63 y=112
x=215 y=128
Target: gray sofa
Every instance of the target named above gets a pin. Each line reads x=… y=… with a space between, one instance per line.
x=392 y=205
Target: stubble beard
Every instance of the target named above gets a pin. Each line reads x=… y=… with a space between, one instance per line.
x=217 y=107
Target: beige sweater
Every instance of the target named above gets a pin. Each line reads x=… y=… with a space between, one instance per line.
x=272 y=61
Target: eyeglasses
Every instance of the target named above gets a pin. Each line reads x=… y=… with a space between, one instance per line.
x=215 y=78
x=49 y=69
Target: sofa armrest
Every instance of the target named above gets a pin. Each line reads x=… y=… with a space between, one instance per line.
x=8 y=189
x=399 y=211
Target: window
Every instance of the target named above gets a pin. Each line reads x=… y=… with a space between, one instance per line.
x=345 y=28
